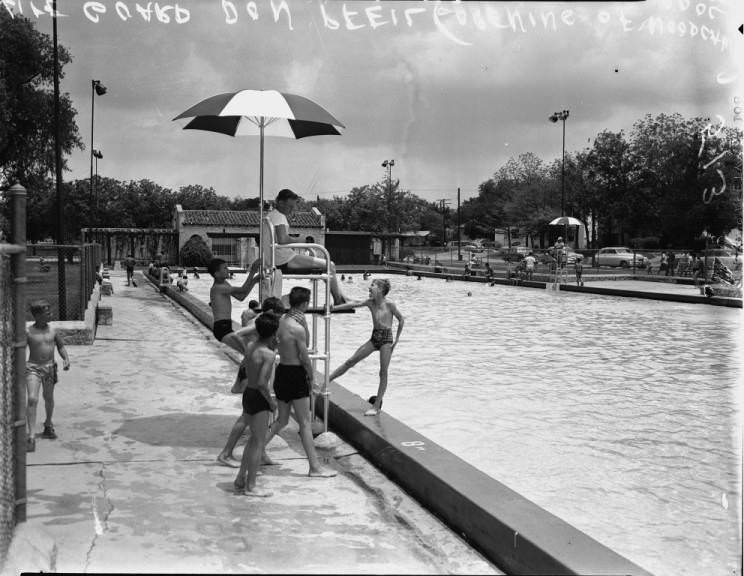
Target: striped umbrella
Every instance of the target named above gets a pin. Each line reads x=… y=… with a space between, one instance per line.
x=261 y=113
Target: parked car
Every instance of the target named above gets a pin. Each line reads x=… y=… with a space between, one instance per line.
x=514 y=254
x=620 y=256
x=464 y=245
x=571 y=256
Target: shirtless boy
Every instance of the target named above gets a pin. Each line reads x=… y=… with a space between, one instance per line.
x=257 y=401
x=219 y=300
x=41 y=369
x=383 y=312
x=248 y=336
x=293 y=379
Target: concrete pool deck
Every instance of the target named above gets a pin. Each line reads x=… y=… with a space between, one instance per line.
x=131 y=485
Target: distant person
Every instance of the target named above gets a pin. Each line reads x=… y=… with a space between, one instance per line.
x=366 y=275
x=671 y=264
x=41 y=370
x=183 y=283
x=220 y=295
x=195 y=272
x=129 y=263
x=529 y=262
x=489 y=272
x=286 y=259
x=258 y=404
x=250 y=313
x=579 y=268
x=248 y=336
x=698 y=271
x=559 y=249
x=294 y=378
x=663 y=264
x=383 y=312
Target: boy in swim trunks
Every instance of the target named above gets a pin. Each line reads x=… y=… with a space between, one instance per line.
x=248 y=335
x=41 y=369
x=257 y=401
x=383 y=312
x=219 y=300
x=294 y=377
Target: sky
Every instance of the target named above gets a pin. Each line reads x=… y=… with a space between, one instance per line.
x=450 y=91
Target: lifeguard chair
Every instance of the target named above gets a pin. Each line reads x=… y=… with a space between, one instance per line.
x=271 y=285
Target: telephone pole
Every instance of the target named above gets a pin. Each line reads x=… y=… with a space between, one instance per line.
x=459 y=243
x=443 y=207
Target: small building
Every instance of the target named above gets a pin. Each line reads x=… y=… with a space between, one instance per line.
x=233 y=235
x=363 y=247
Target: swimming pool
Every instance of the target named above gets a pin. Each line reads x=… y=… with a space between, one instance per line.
x=618 y=415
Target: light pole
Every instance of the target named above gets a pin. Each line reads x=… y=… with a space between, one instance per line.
x=388 y=164
x=98 y=156
x=554 y=117
x=95 y=88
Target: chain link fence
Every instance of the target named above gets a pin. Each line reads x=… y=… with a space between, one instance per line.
x=12 y=374
x=64 y=275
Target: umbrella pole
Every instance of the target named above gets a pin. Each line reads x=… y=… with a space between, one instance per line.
x=260 y=214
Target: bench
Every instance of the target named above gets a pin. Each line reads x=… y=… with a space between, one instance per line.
x=104 y=314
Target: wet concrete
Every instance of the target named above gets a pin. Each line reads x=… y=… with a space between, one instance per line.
x=132 y=485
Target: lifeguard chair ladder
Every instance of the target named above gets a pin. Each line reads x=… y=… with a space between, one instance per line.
x=271 y=285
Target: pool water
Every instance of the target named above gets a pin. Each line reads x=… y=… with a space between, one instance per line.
x=619 y=415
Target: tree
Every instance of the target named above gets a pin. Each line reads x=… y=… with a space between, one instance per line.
x=197 y=197
x=195 y=252
x=27 y=104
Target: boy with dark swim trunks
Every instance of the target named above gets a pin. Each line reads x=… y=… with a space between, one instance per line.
x=248 y=336
x=294 y=377
x=257 y=401
x=219 y=300
x=41 y=370
x=381 y=340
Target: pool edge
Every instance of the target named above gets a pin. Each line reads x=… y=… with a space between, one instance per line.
x=514 y=533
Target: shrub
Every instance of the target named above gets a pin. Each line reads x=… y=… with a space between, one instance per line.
x=195 y=252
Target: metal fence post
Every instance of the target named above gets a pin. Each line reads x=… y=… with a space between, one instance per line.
x=18 y=195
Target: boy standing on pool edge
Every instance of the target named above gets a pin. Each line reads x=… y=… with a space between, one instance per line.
x=383 y=312
x=219 y=301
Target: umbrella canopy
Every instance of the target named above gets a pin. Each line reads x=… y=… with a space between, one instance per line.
x=566 y=221
x=261 y=113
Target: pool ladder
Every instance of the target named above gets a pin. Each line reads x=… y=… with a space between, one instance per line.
x=271 y=285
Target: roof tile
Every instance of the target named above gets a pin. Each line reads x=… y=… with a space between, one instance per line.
x=244 y=218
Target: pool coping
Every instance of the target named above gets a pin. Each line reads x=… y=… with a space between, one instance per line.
x=650 y=295
x=516 y=534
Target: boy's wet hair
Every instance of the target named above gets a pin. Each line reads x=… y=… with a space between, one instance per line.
x=253 y=304
x=267 y=324
x=37 y=306
x=273 y=304
x=298 y=295
x=384 y=284
x=214 y=265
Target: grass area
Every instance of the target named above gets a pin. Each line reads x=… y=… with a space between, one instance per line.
x=44 y=285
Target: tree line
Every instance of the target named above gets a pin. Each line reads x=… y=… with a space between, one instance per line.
x=666 y=182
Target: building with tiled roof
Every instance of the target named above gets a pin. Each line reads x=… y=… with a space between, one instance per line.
x=233 y=235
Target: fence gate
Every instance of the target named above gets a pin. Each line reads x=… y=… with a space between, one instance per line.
x=12 y=373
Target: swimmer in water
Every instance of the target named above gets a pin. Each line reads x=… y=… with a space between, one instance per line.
x=383 y=312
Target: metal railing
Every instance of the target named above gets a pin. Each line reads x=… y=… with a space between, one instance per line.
x=270 y=269
x=13 y=373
